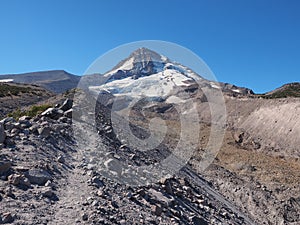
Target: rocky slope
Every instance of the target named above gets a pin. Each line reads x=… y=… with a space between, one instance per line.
x=47 y=178
x=16 y=96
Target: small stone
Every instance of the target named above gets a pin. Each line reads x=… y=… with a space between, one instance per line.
x=49 y=184
x=48 y=193
x=97 y=182
x=114 y=204
x=25 y=182
x=4 y=167
x=14 y=179
x=122 y=222
x=129 y=195
x=157 y=210
x=24 y=121
x=95 y=203
x=100 y=193
x=84 y=217
x=2 y=133
x=44 y=131
x=7 y=218
x=68 y=113
x=198 y=221
x=61 y=159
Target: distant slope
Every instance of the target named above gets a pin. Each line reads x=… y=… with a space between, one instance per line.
x=16 y=96
x=287 y=90
x=57 y=81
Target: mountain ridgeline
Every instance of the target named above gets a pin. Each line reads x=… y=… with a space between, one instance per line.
x=57 y=81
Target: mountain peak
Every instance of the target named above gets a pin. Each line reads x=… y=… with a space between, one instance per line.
x=141 y=62
x=146 y=55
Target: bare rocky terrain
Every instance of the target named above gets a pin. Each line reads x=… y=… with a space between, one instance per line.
x=64 y=161
x=46 y=178
x=14 y=96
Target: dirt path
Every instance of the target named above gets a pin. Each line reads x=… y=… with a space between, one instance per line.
x=75 y=189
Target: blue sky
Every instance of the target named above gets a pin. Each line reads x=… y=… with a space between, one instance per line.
x=250 y=43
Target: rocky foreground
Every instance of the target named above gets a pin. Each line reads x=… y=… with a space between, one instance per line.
x=46 y=179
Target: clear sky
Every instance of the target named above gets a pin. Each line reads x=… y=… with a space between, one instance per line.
x=253 y=43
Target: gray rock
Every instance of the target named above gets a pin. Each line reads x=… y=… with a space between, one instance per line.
x=48 y=193
x=44 y=131
x=53 y=113
x=4 y=167
x=17 y=179
x=97 y=182
x=114 y=166
x=7 y=218
x=2 y=133
x=68 y=113
x=34 y=128
x=38 y=176
x=238 y=137
x=157 y=210
x=84 y=216
x=14 y=179
x=60 y=159
x=160 y=197
x=24 y=121
x=66 y=105
x=198 y=221
x=7 y=120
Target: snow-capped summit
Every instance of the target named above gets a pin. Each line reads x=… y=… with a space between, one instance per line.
x=142 y=62
x=146 y=73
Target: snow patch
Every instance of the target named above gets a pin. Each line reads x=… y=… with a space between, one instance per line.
x=215 y=86
x=6 y=80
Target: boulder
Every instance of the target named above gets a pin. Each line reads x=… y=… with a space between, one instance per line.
x=68 y=113
x=97 y=182
x=44 y=131
x=7 y=120
x=61 y=159
x=66 y=105
x=14 y=179
x=156 y=196
x=157 y=210
x=53 y=113
x=85 y=216
x=7 y=218
x=238 y=137
x=2 y=133
x=38 y=176
x=4 y=167
x=48 y=193
x=24 y=121
x=198 y=221
x=114 y=166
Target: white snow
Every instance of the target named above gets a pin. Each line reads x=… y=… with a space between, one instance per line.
x=174 y=99
x=6 y=80
x=156 y=85
x=160 y=84
x=236 y=90
x=214 y=86
x=128 y=65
